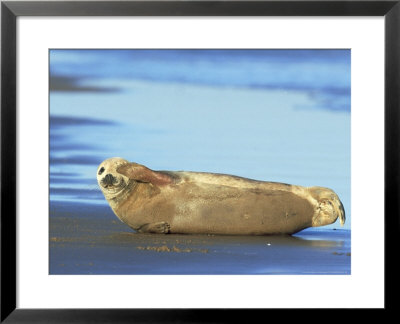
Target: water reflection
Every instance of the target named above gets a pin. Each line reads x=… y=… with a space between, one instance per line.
x=74 y=84
x=93 y=193
x=277 y=241
x=65 y=121
x=75 y=159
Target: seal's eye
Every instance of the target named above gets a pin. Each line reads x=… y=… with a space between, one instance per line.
x=101 y=170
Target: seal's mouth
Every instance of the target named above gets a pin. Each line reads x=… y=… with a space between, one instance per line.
x=108 y=181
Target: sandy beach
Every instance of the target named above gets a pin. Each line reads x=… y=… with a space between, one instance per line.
x=81 y=242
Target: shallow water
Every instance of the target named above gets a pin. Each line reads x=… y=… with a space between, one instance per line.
x=267 y=115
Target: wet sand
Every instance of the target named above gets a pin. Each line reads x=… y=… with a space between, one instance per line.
x=89 y=239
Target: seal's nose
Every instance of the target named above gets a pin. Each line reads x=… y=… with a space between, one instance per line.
x=108 y=180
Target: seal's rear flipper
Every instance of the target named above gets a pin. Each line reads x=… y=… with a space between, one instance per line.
x=342 y=214
x=140 y=173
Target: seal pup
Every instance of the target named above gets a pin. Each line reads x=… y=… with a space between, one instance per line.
x=207 y=203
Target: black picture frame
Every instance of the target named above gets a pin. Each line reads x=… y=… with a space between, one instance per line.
x=10 y=10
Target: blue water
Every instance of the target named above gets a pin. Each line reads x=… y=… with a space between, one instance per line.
x=274 y=115
x=323 y=74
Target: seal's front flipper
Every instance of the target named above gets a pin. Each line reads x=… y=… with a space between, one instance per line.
x=157 y=228
x=140 y=173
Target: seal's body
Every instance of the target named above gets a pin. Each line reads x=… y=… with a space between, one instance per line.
x=207 y=203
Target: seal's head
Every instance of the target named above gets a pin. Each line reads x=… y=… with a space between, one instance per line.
x=330 y=207
x=111 y=182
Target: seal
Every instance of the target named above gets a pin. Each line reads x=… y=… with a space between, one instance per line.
x=208 y=203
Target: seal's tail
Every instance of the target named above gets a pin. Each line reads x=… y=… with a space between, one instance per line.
x=342 y=214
